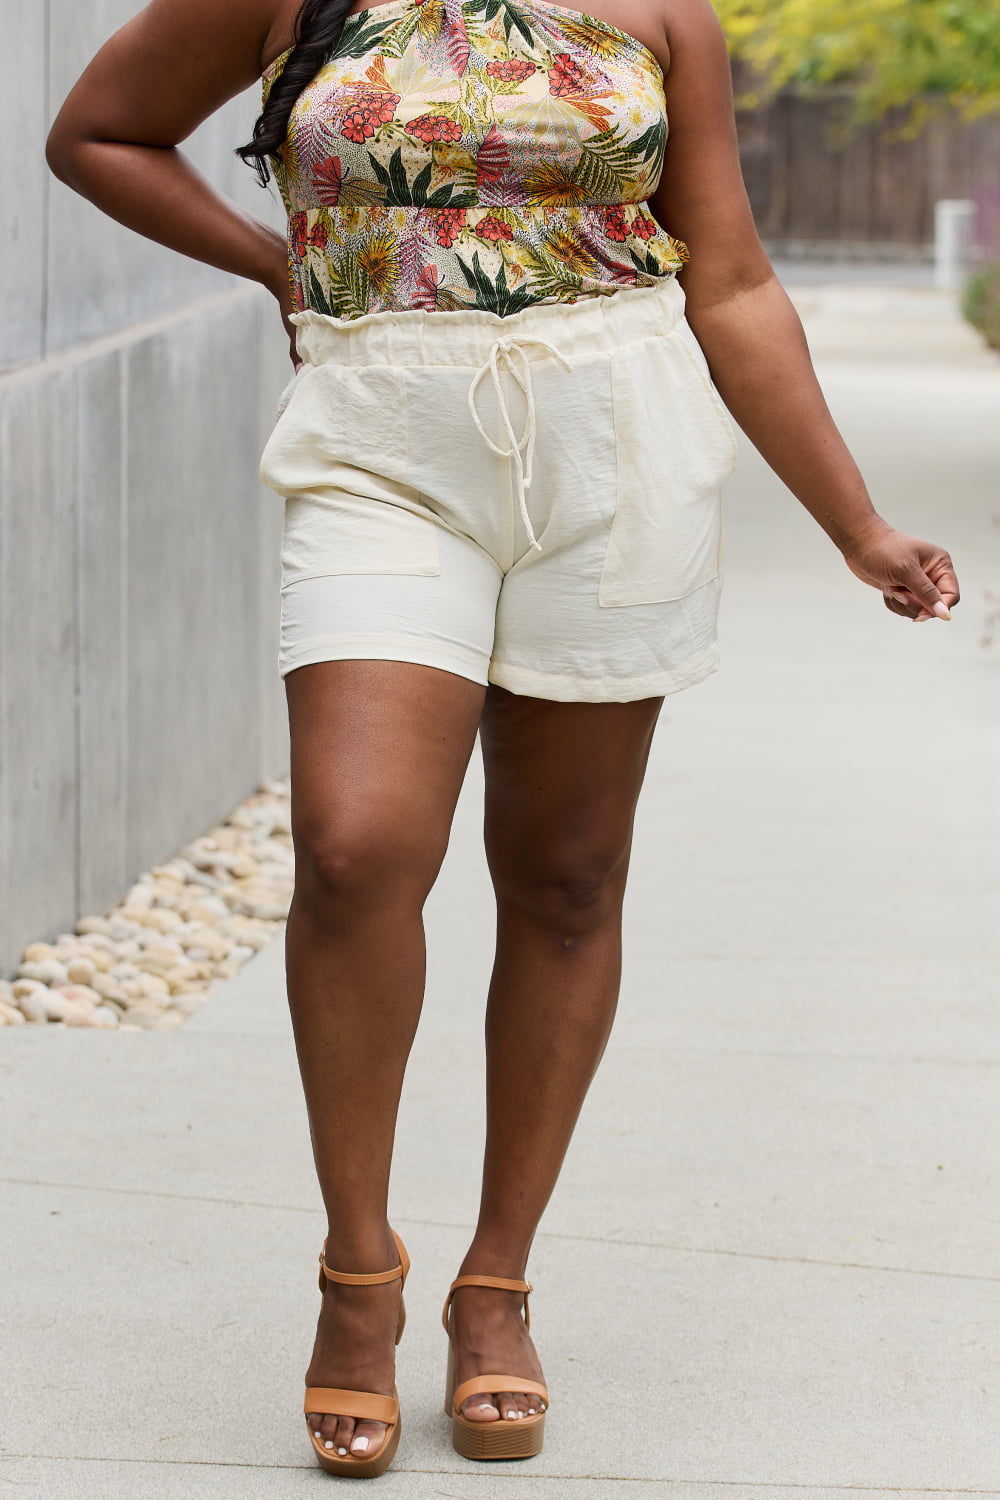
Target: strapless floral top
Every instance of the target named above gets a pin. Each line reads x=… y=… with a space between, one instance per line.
x=484 y=154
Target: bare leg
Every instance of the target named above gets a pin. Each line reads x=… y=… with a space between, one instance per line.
x=562 y=783
x=379 y=752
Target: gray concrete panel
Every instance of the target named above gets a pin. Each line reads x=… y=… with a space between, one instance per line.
x=101 y=277
x=192 y=578
x=25 y=182
x=38 y=719
x=61 y=1479
x=275 y=370
x=100 y=482
x=699 y=1367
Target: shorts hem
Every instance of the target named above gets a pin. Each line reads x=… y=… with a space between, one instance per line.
x=415 y=651
x=564 y=688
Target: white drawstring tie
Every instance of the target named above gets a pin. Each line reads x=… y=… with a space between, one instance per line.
x=510 y=353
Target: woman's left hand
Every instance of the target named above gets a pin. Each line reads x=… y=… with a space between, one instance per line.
x=916 y=578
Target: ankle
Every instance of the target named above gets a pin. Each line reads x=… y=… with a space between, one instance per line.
x=494 y=1257
x=360 y=1249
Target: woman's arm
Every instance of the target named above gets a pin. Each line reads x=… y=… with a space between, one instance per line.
x=751 y=334
x=115 y=139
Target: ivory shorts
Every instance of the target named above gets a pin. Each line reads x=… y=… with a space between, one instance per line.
x=531 y=501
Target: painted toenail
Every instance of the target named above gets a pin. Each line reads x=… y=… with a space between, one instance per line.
x=360 y=1445
x=531 y=1411
x=328 y=1444
x=342 y=1452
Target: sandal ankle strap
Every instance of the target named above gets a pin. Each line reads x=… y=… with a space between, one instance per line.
x=495 y=1283
x=373 y=1278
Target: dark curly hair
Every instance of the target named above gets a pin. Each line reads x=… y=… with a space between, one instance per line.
x=317 y=32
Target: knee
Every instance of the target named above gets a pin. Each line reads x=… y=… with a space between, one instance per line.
x=361 y=868
x=568 y=891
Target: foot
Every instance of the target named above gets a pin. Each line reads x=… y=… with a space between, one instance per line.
x=354 y=1350
x=488 y=1334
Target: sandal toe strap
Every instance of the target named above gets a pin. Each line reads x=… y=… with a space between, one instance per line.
x=327 y=1401
x=488 y=1385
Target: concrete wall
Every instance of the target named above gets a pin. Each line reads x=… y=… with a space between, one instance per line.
x=139 y=695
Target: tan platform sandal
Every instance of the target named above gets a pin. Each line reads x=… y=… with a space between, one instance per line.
x=362 y=1405
x=505 y=1438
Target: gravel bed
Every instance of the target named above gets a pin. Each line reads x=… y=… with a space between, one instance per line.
x=178 y=932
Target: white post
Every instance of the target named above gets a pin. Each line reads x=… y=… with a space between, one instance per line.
x=953 y=220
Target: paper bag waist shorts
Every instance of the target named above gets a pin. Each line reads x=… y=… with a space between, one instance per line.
x=531 y=501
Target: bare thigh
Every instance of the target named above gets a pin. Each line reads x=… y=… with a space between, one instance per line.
x=379 y=750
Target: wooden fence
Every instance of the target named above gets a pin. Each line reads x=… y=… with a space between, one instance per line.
x=818 y=185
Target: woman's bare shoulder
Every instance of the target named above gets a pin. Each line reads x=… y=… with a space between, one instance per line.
x=663 y=25
x=692 y=24
x=231 y=33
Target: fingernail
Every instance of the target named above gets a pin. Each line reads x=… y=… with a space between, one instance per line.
x=942 y=611
x=360 y=1445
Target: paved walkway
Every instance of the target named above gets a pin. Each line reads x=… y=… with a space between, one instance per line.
x=772 y=1267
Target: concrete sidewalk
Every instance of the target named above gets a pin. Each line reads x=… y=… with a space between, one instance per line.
x=772 y=1265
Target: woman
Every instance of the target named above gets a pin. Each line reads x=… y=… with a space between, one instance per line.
x=501 y=457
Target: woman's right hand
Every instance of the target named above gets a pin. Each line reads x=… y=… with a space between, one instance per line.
x=279 y=287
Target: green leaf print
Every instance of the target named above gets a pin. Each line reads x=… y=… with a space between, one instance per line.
x=552 y=278
x=350 y=290
x=397 y=44
x=397 y=188
x=606 y=161
x=360 y=36
x=317 y=294
x=652 y=143
x=493 y=296
x=401 y=193
x=512 y=17
x=646 y=265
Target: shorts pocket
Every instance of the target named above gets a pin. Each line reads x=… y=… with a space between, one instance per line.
x=675 y=448
x=334 y=418
x=338 y=455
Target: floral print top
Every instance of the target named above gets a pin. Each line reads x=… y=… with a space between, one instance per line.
x=486 y=154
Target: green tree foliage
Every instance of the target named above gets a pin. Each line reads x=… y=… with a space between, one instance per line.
x=895 y=52
x=981 y=303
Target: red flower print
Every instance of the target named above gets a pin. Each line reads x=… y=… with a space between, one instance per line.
x=615 y=224
x=382 y=104
x=450 y=222
x=319 y=236
x=426 y=290
x=511 y=70
x=327 y=180
x=565 y=76
x=298 y=235
x=430 y=128
x=644 y=228
x=370 y=109
x=494 y=229
x=357 y=125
